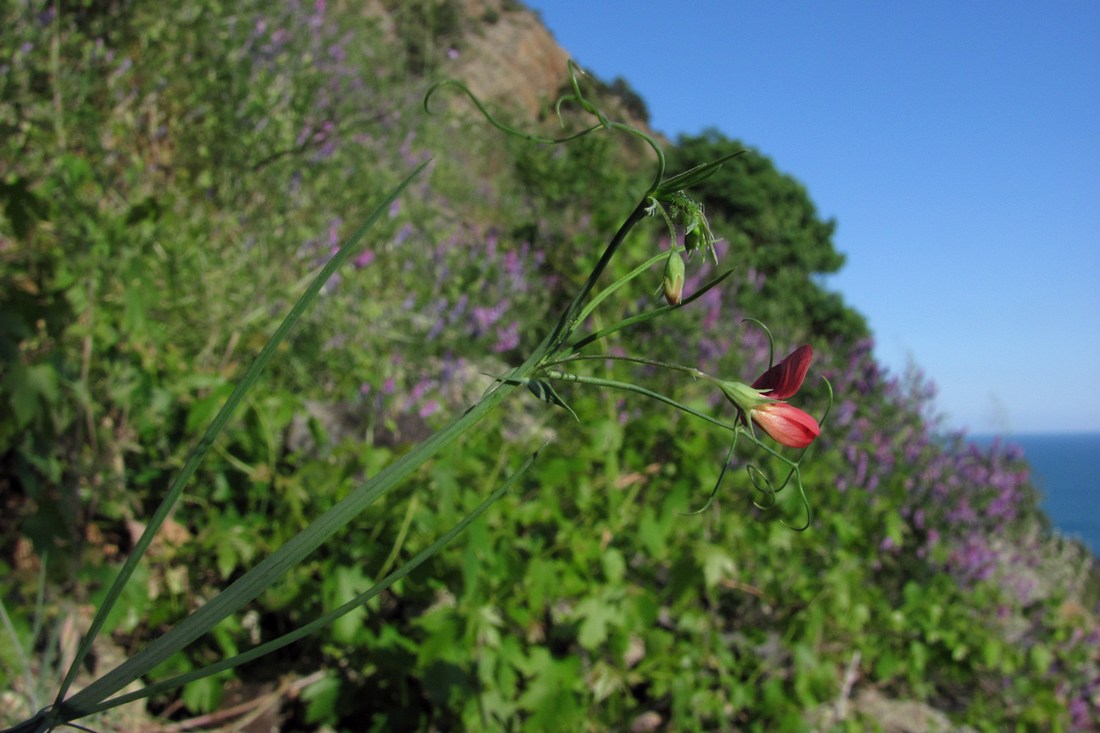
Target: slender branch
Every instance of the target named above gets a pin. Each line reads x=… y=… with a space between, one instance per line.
x=568 y=321
x=615 y=286
x=628 y=387
x=580 y=343
x=692 y=371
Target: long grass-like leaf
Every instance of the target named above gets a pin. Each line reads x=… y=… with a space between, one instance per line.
x=303 y=631
x=273 y=567
x=203 y=446
x=608 y=291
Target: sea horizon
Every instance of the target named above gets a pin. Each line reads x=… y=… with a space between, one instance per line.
x=1065 y=469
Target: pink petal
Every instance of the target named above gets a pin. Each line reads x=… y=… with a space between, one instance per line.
x=786 y=424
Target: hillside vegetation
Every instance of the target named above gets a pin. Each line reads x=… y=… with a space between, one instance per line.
x=172 y=176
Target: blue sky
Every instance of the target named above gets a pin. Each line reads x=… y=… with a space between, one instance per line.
x=957 y=144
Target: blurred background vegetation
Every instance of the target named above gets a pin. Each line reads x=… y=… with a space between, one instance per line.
x=170 y=176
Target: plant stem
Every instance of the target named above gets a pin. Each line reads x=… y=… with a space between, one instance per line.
x=568 y=321
x=628 y=387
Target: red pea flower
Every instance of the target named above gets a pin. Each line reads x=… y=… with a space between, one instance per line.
x=762 y=402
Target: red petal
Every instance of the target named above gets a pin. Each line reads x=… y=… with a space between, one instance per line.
x=786 y=424
x=785 y=378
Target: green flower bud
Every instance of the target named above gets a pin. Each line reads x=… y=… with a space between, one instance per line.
x=695 y=238
x=674 y=278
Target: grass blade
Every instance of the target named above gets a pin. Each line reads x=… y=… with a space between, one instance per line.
x=303 y=631
x=216 y=426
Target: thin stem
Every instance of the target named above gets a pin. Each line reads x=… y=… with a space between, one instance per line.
x=628 y=387
x=692 y=371
x=592 y=109
x=768 y=333
x=568 y=321
x=611 y=289
x=497 y=123
x=580 y=343
x=402 y=533
x=721 y=475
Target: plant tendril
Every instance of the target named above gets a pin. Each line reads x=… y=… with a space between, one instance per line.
x=718 y=483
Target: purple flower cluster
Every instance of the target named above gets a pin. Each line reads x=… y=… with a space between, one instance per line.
x=970 y=512
x=313 y=78
x=481 y=289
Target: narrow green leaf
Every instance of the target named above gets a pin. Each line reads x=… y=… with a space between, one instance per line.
x=124 y=674
x=303 y=631
x=693 y=176
x=579 y=343
x=545 y=391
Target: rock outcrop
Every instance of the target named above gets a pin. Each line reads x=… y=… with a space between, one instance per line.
x=509 y=57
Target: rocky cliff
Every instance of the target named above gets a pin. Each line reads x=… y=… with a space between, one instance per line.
x=509 y=56
x=500 y=49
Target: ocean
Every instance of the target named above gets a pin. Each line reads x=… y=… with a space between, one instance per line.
x=1066 y=469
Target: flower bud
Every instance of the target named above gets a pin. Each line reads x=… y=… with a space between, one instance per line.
x=674 y=278
x=695 y=238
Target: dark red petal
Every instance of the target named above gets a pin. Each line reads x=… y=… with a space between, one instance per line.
x=785 y=378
